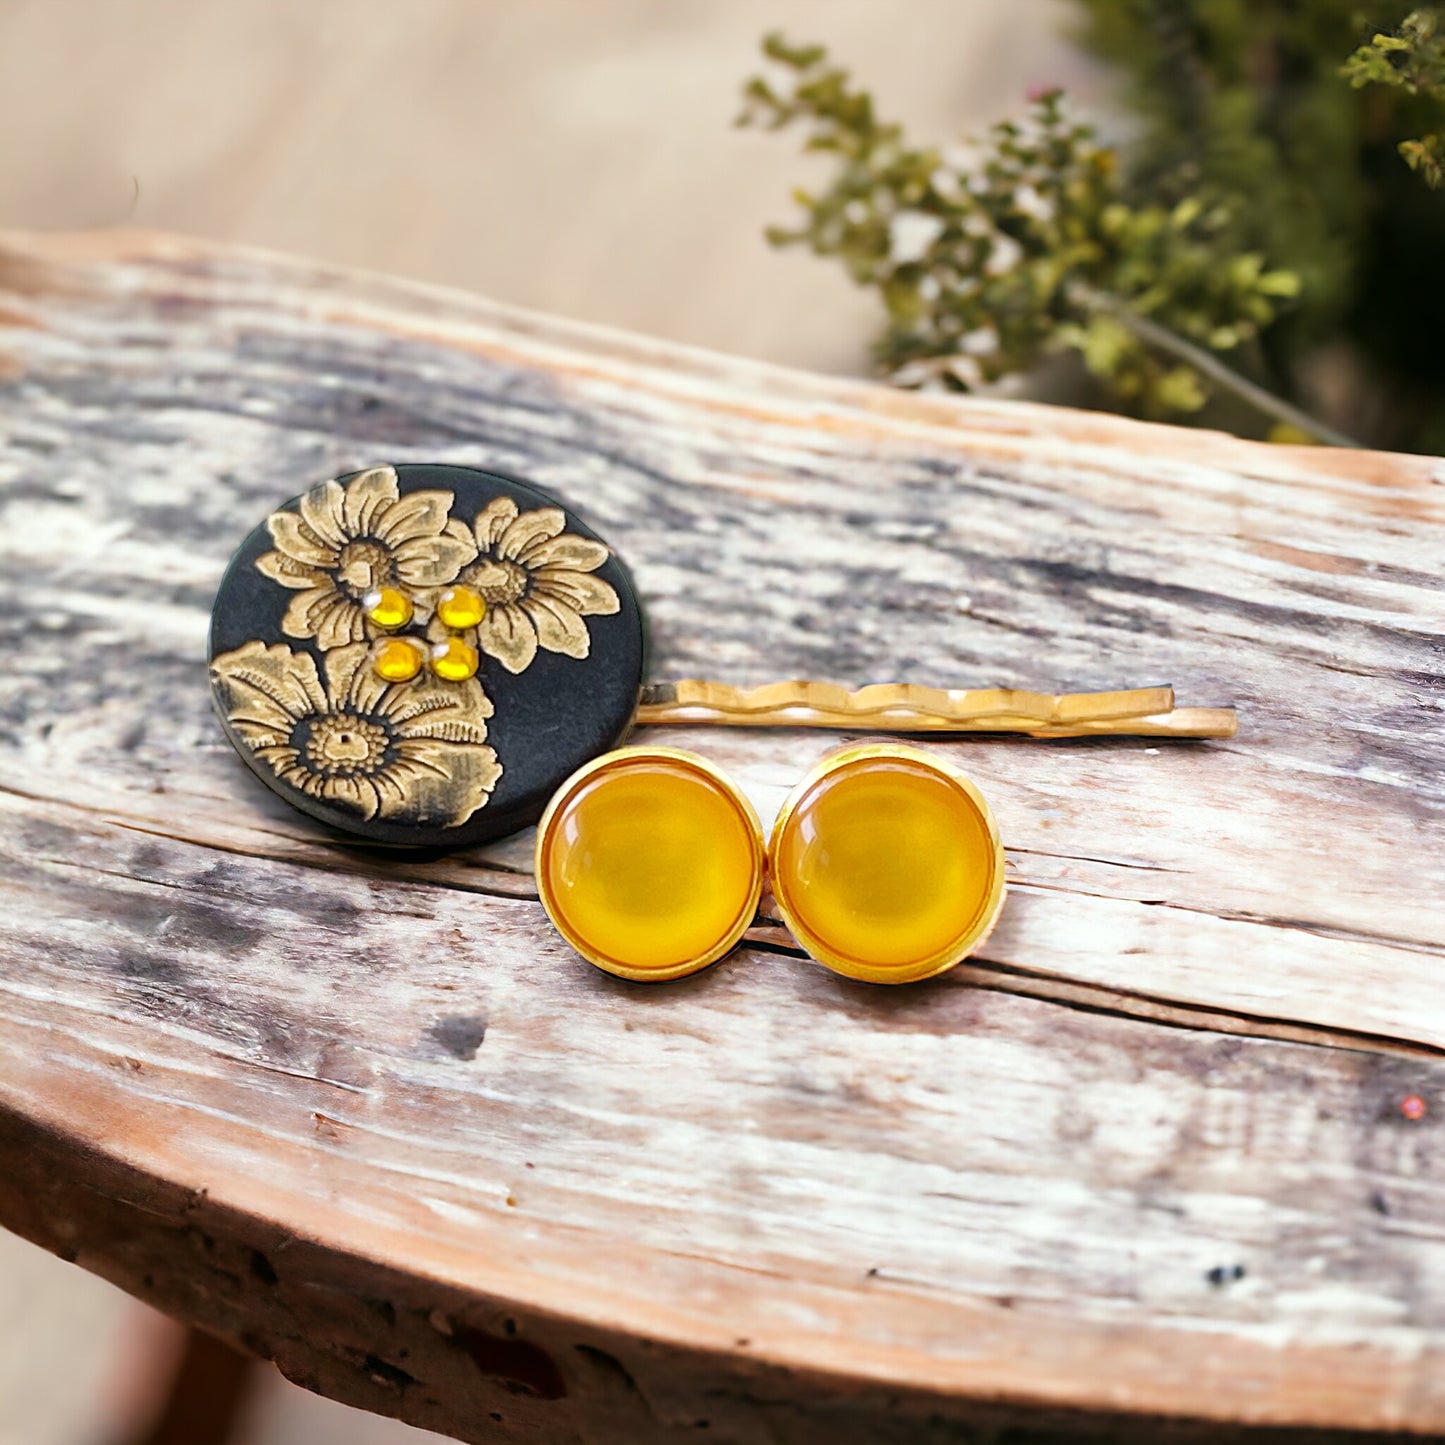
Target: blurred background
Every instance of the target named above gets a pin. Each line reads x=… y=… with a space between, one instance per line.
x=1248 y=238
x=578 y=156
x=573 y=155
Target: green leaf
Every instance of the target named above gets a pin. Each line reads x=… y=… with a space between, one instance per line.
x=1180 y=389
x=1279 y=283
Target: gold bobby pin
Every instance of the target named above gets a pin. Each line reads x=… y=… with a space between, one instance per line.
x=909 y=708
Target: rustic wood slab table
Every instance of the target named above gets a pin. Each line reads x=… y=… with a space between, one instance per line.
x=1172 y=1147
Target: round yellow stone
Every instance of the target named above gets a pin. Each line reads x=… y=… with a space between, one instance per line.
x=388 y=607
x=650 y=863
x=397 y=659
x=454 y=660
x=460 y=607
x=887 y=865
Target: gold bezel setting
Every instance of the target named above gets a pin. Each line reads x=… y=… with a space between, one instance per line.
x=969 y=937
x=623 y=758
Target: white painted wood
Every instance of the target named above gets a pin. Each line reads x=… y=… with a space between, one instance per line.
x=357 y=1114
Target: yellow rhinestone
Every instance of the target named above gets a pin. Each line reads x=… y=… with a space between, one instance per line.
x=388 y=607
x=397 y=659
x=454 y=660
x=460 y=608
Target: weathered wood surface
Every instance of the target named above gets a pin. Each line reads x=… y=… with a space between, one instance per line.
x=372 y=1119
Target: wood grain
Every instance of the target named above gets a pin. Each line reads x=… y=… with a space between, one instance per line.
x=370 y=1118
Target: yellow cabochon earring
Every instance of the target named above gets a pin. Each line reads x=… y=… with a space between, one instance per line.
x=650 y=862
x=885 y=863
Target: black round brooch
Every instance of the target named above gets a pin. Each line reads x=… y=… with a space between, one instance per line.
x=421 y=654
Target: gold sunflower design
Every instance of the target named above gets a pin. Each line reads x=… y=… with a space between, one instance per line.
x=345 y=542
x=535 y=580
x=415 y=752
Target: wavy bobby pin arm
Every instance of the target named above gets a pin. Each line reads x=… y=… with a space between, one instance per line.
x=908 y=708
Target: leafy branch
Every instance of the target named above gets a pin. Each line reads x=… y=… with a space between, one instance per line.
x=992 y=257
x=1412 y=60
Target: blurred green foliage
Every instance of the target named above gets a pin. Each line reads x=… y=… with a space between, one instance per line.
x=1412 y=60
x=1258 y=237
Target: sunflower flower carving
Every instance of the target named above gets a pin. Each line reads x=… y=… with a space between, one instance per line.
x=381 y=711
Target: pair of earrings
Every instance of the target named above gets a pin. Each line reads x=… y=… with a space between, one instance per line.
x=885 y=863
